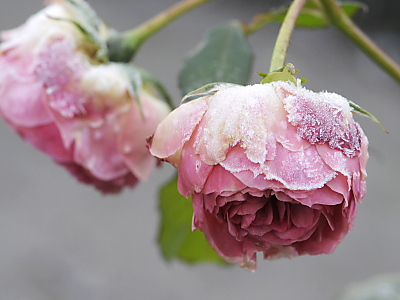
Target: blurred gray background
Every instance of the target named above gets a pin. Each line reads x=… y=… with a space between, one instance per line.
x=63 y=240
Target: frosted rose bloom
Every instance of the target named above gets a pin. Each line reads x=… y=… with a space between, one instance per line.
x=272 y=167
x=57 y=93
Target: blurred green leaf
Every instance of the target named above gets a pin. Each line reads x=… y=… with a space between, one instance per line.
x=308 y=18
x=176 y=238
x=224 y=55
x=312 y=15
x=351 y=7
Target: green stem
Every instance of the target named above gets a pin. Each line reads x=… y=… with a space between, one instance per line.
x=123 y=46
x=284 y=35
x=339 y=18
x=147 y=29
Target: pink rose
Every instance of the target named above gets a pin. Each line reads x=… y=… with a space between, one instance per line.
x=60 y=96
x=271 y=167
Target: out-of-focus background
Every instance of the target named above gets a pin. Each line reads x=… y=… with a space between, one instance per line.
x=63 y=240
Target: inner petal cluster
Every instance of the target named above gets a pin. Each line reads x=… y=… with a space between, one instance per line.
x=265 y=220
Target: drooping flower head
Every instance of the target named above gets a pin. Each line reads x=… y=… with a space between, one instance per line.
x=58 y=91
x=272 y=168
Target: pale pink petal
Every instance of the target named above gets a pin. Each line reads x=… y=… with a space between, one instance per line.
x=135 y=128
x=22 y=101
x=96 y=151
x=177 y=128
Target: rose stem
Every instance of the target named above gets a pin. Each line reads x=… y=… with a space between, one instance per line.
x=132 y=39
x=339 y=18
x=284 y=35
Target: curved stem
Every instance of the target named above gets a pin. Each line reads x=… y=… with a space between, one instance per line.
x=123 y=46
x=338 y=18
x=284 y=35
x=138 y=35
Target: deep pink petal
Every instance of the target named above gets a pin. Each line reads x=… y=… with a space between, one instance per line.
x=220 y=180
x=47 y=139
x=106 y=187
x=193 y=172
x=301 y=170
x=220 y=239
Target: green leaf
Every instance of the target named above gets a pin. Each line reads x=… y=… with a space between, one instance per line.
x=352 y=7
x=284 y=74
x=362 y=111
x=308 y=18
x=224 y=55
x=207 y=90
x=176 y=238
x=313 y=16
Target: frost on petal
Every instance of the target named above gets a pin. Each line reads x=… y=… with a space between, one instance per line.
x=288 y=137
x=237 y=161
x=321 y=196
x=246 y=116
x=58 y=63
x=335 y=159
x=321 y=118
x=257 y=182
x=301 y=170
x=135 y=129
x=177 y=128
x=37 y=29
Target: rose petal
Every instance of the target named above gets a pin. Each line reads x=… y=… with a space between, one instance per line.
x=301 y=170
x=220 y=180
x=177 y=128
x=135 y=128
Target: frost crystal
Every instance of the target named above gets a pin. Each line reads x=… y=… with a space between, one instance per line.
x=241 y=116
x=323 y=118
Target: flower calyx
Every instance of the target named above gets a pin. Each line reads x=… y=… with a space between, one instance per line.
x=286 y=73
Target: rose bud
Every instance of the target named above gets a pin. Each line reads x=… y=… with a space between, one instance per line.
x=272 y=167
x=58 y=93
